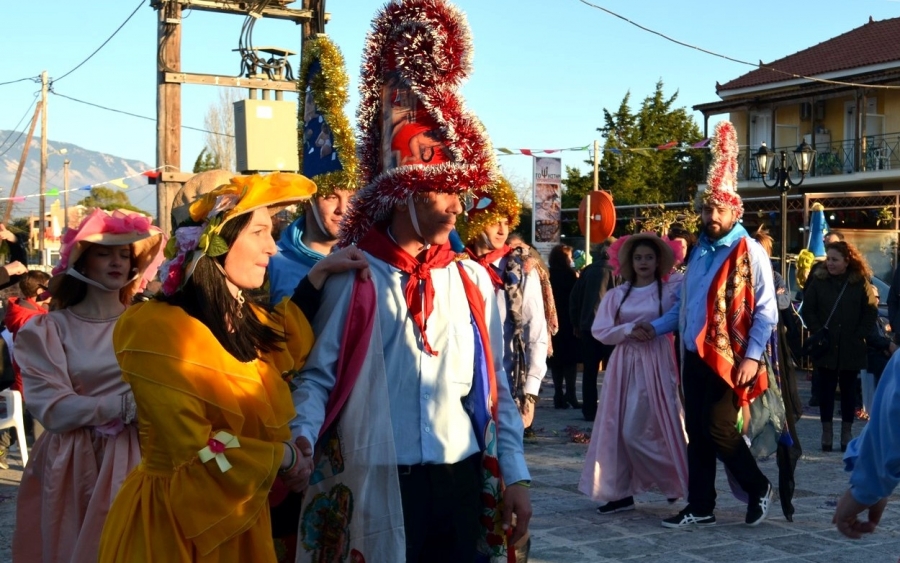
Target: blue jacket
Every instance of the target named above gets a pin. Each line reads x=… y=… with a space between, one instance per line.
x=292 y=262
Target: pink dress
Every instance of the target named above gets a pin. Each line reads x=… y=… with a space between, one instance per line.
x=638 y=442
x=74 y=387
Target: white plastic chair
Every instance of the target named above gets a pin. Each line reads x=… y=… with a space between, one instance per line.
x=15 y=418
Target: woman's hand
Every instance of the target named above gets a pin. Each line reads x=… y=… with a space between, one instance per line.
x=349 y=258
x=297 y=465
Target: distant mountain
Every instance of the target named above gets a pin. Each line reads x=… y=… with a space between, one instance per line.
x=86 y=168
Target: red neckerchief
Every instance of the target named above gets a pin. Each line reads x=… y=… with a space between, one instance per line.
x=377 y=243
x=488 y=260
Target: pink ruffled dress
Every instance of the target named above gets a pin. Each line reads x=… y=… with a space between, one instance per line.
x=74 y=387
x=638 y=443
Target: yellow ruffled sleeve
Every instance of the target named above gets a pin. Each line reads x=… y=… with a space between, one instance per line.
x=215 y=500
x=298 y=333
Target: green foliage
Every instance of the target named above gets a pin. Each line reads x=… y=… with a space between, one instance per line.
x=206 y=160
x=109 y=199
x=659 y=220
x=646 y=175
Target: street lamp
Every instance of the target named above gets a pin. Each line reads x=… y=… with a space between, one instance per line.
x=804 y=156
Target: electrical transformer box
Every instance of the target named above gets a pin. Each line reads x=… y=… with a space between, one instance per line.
x=265 y=136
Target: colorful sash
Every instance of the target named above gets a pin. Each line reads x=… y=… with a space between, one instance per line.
x=722 y=342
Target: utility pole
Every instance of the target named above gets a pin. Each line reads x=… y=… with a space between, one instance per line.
x=587 y=203
x=65 y=196
x=42 y=219
x=15 y=186
x=168 y=109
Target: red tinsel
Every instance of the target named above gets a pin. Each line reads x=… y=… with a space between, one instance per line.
x=721 y=182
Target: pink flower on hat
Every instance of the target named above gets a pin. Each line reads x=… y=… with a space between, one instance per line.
x=171 y=274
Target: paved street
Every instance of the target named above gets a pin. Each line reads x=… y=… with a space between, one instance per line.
x=566 y=529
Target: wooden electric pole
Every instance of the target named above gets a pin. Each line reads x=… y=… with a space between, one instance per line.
x=170 y=78
x=43 y=189
x=25 y=148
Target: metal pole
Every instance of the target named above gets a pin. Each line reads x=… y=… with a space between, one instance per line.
x=65 y=195
x=42 y=219
x=784 y=234
x=588 y=216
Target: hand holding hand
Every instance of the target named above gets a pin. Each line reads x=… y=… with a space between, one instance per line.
x=516 y=501
x=15 y=268
x=349 y=258
x=297 y=478
x=845 y=516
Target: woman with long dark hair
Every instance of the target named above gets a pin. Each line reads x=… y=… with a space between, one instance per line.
x=638 y=441
x=841 y=297
x=208 y=368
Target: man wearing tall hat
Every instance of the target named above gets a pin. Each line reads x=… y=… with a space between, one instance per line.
x=725 y=315
x=452 y=439
x=328 y=157
x=489 y=217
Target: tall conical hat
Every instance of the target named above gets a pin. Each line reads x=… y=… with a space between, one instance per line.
x=327 y=145
x=416 y=134
x=818 y=228
x=721 y=181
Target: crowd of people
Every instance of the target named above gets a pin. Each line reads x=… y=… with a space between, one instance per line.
x=362 y=387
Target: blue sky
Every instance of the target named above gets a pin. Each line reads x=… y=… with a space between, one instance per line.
x=543 y=71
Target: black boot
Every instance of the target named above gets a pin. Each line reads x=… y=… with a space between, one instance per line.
x=559 y=398
x=571 y=374
x=827 y=436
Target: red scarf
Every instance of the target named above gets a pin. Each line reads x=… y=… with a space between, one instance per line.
x=487 y=262
x=722 y=343
x=420 y=304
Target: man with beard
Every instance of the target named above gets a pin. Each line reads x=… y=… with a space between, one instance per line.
x=725 y=314
x=314 y=233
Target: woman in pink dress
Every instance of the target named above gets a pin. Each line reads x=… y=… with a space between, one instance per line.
x=75 y=389
x=638 y=442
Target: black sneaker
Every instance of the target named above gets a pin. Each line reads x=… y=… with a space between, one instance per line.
x=687 y=518
x=758 y=508
x=620 y=505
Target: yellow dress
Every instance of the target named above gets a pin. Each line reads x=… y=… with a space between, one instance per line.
x=175 y=507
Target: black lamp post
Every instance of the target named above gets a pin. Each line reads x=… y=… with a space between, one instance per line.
x=805 y=155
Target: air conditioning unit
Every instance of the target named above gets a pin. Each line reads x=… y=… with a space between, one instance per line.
x=265 y=136
x=805 y=111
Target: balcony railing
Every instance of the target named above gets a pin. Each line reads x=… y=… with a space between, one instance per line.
x=872 y=154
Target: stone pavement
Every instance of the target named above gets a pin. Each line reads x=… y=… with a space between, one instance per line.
x=566 y=528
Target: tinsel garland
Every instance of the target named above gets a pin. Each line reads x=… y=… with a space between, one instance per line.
x=329 y=89
x=428 y=46
x=504 y=205
x=721 y=181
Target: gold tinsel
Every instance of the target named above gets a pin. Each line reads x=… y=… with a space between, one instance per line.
x=506 y=206
x=329 y=88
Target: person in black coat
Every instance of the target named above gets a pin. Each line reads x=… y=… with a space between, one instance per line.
x=564 y=361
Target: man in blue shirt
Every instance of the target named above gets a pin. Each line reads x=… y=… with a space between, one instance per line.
x=725 y=315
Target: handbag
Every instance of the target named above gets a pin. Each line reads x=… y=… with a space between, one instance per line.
x=819 y=342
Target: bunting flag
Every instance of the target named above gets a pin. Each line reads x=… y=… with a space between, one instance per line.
x=671 y=145
x=117 y=182
x=667 y=146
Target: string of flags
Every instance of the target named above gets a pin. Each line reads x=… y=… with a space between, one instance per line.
x=671 y=145
x=116 y=182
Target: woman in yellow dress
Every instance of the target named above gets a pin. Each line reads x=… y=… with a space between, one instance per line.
x=207 y=368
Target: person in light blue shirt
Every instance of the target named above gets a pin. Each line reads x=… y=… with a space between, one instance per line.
x=307 y=240
x=873 y=460
x=725 y=314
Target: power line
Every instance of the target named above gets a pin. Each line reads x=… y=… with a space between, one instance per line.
x=140 y=3
x=34 y=78
x=16 y=128
x=136 y=115
x=739 y=61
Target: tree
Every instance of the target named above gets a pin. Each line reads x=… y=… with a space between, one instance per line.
x=206 y=161
x=219 y=121
x=108 y=199
x=631 y=167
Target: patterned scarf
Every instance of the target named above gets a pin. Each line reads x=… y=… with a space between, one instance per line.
x=730 y=303
x=420 y=303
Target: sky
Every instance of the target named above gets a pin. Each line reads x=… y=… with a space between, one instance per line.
x=543 y=71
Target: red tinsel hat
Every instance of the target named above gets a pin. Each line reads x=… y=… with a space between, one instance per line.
x=416 y=134
x=721 y=181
